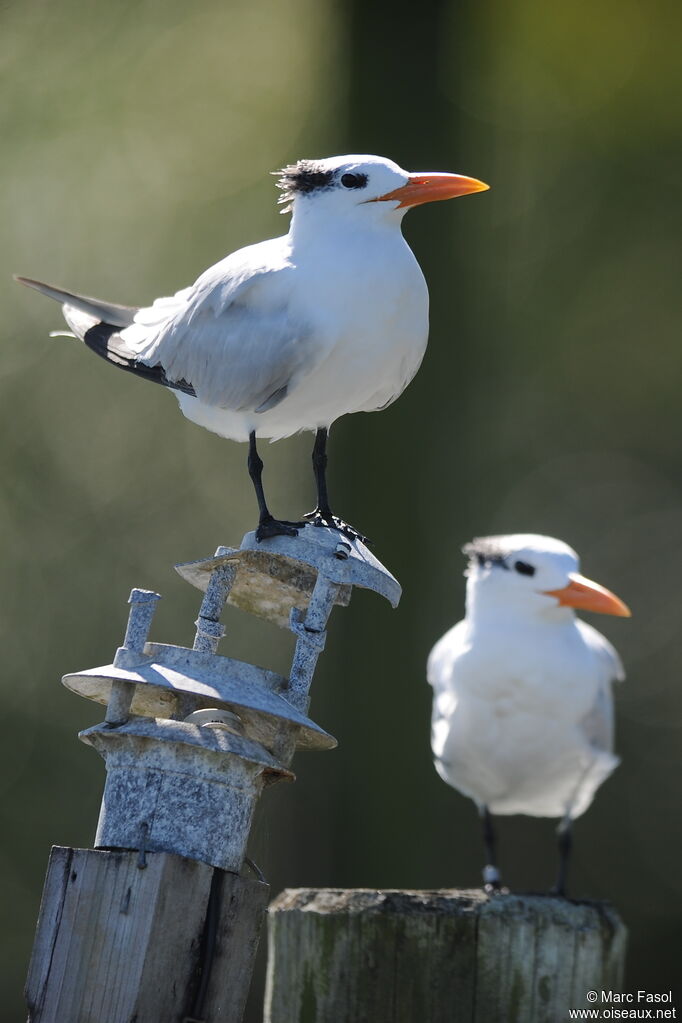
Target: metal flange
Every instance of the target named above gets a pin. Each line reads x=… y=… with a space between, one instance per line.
x=163 y=673
x=280 y=572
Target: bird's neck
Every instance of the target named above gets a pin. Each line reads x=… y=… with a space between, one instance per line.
x=312 y=229
x=483 y=610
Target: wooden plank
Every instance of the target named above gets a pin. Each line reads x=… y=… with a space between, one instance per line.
x=117 y=944
x=364 y=956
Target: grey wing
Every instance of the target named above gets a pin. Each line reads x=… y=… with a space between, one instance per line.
x=597 y=725
x=234 y=339
x=444 y=653
x=99 y=325
x=440 y=674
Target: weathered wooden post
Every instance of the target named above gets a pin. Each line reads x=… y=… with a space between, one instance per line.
x=157 y=923
x=365 y=956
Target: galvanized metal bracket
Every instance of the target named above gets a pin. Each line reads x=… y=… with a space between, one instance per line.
x=315 y=640
x=281 y=572
x=191 y=737
x=162 y=673
x=190 y=789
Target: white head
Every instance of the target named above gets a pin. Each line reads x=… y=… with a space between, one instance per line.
x=368 y=188
x=525 y=576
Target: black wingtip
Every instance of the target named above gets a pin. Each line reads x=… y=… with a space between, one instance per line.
x=28 y=281
x=104 y=340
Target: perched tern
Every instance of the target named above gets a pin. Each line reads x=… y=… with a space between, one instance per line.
x=294 y=332
x=522 y=703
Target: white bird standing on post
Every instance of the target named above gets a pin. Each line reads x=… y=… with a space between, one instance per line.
x=291 y=333
x=522 y=703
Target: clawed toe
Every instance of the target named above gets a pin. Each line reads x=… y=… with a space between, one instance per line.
x=276 y=527
x=322 y=518
x=282 y=527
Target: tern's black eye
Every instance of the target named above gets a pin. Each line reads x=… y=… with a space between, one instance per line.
x=354 y=180
x=524 y=568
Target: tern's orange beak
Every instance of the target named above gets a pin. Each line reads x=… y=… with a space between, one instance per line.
x=431 y=188
x=588 y=596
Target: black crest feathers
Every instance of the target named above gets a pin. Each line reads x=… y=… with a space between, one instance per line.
x=487 y=550
x=302 y=178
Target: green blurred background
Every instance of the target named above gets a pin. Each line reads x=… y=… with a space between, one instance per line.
x=136 y=144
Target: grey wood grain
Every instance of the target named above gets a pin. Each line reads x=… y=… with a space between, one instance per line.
x=172 y=942
x=446 y=956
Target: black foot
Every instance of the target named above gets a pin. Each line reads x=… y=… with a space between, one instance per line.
x=558 y=891
x=321 y=518
x=277 y=527
x=495 y=888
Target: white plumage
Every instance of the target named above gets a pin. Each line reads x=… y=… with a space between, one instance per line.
x=291 y=333
x=522 y=703
x=294 y=332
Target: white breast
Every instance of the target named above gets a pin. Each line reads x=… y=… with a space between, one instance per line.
x=509 y=719
x=365 y=311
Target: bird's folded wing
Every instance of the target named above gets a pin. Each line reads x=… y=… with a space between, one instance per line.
x=610 y=664
x=443 y=656
x=597 y=725
x=232 y=337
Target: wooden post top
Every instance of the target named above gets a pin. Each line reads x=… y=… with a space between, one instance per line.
x=400 y=956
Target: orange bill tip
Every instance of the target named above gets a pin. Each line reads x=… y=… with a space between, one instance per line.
x=585 y=595
x=432 y=187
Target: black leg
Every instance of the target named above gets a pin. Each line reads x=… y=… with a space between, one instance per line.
x=255 y=465
x=323 y=515
x=491 y=873
x=267 y=525
x=565 y=832
x=320 y=470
